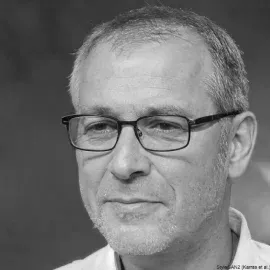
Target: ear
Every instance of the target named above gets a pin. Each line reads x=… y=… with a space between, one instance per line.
x=243 y=138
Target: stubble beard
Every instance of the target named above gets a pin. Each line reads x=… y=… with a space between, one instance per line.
x=142 y=239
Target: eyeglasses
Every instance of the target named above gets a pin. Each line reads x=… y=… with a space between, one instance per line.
x=161 y=133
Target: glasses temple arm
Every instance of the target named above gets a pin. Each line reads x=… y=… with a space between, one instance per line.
x=211 y=118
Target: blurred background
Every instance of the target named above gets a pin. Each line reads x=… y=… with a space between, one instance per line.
x=42 y=221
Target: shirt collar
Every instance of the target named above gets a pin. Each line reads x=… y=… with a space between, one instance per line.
x=117 y=262
x=246 y=250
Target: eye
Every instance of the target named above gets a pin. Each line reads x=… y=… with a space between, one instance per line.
x=164 y=126
x=100 y=127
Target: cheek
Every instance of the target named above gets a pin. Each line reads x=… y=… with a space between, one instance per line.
x=189 y=182
x=197 y=186
x=91 y=170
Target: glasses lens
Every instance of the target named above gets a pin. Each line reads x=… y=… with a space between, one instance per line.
x=93 y=133
x=164 y=132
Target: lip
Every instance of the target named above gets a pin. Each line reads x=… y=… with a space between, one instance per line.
x=131 y=210
x=131 y=200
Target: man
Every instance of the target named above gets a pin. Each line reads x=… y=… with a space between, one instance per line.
x=162 y=129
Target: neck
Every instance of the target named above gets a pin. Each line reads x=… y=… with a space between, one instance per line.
x=215 y=249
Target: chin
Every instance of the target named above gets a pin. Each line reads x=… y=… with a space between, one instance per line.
x=137 y=239
x=138 y=243
x=137 y=235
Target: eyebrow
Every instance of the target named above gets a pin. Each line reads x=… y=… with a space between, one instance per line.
x=149 y=111
x=169 y=109
x=98 y=110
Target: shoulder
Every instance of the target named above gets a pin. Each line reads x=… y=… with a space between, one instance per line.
x=101 y=259
x=249 y=251
x=263 y=252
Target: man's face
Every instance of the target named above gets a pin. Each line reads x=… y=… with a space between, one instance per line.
x=180 y=190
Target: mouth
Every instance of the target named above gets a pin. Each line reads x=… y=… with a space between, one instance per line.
x=130 y=200
x=123 y=207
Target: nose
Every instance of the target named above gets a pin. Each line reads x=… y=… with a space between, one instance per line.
x=129 y=157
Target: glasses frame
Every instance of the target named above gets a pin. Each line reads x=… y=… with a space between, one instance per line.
x=192 y=123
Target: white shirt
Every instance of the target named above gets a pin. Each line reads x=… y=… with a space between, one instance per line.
x=249 y=254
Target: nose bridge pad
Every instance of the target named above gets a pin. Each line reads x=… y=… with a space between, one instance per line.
x=139 y=132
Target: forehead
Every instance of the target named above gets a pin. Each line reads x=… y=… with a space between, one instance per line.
x=174 y=72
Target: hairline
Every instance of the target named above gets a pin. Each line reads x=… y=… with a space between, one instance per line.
x=228 y=67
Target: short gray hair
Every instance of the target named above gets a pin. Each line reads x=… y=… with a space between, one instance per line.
x=229 y=86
